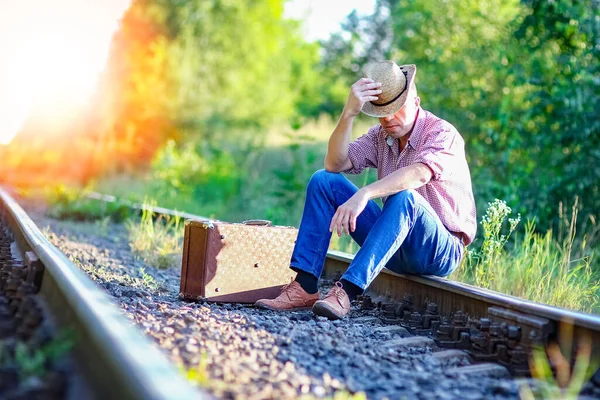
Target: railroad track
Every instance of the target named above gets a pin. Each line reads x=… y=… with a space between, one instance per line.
x=108 y=358
x=471 y=333
x=488 y=326
x=491 y=326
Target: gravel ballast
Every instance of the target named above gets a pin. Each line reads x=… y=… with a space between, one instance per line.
x=242 y=352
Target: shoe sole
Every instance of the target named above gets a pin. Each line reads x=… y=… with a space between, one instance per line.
x=266 y=307
x=323 y=310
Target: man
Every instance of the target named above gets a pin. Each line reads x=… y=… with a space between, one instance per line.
x=428 y=216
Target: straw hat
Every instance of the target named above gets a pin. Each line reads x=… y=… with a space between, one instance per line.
x=395 y=83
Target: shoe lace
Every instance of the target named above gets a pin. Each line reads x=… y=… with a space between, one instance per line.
x=287 y=287
x=338 y=291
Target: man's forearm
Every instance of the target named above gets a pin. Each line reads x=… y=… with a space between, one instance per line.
x=363 y=90
x=337 y=149
x=411 y=177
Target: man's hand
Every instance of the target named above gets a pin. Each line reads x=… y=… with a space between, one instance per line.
x=344 y=219
x=363 y=90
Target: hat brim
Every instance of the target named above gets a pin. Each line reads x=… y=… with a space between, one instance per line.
x=373 y=110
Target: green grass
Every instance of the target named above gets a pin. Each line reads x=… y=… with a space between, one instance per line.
x=156 y=240
x=248 y=180
x=36 y=362
x=69 y=203
x=546 y=267
x=557 y=377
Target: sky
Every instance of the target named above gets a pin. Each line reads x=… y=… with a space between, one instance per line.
x=51 y=52
x=323 y=17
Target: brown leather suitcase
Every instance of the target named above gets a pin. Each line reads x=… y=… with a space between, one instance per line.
x=237 y=263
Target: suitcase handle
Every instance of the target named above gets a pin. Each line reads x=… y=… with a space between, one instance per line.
x=258 y=222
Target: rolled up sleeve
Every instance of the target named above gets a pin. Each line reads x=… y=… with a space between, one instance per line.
x=363 y=152
x=438 y=153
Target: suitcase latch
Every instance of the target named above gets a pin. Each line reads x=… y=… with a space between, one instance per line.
x=258 y=222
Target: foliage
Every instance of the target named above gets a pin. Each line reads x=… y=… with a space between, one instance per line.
x=135 y=98
x=157 y=241
x=36 y=362
x=454 y=44
x=243 y=54
x=291 y=181
x=518 y=79
x=539 y=267
x=73 y=204
x=551 y=367
x=207 y=71
x=239 y=182
x=148 y=280
x=493 y=241
x=210 y=177
x=553 y=121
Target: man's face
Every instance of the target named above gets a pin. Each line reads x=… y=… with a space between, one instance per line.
x=399 y=124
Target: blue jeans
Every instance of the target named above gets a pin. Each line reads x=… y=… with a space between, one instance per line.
x=406 y=236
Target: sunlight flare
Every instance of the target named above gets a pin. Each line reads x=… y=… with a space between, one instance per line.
x=54 y=52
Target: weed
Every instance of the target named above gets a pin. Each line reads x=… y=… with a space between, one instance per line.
x=35 y=362
x=200 y=376
x=481 y=264
x=148 y=280
x=30 y=362
x=157 y=241
x=102 y=226
x=538 y=267
x=552 y=367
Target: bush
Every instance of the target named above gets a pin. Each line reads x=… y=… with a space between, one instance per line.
x=73 y=204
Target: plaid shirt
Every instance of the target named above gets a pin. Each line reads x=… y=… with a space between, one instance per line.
x=437 y=144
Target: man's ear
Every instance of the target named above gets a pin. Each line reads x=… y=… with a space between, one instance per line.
x=417 y=101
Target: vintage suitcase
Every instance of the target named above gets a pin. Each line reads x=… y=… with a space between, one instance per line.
x=231 y=262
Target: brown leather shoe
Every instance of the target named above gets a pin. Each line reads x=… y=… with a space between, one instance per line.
x=335 y=305
x=292 y=297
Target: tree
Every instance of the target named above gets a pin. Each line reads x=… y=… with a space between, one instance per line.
x=557 y=118
x=238 y=64
x=135 y=98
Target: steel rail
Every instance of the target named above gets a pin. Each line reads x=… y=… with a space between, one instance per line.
x=116 y=361
x=107 y=198
x=452 y=296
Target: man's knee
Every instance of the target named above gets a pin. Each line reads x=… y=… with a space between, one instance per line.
x=408 y=196
x=321 y=177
